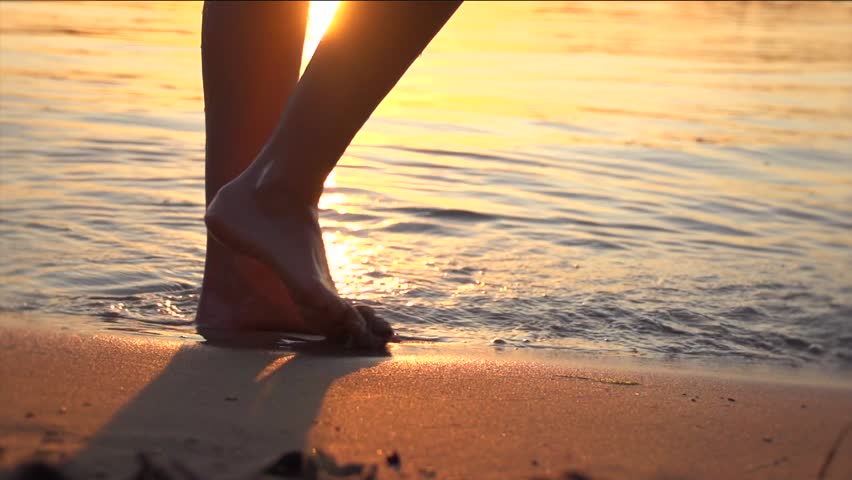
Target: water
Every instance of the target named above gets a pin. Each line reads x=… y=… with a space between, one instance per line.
x=647 y=179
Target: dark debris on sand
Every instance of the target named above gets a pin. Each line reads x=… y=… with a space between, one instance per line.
x=394 y=461
x=290 y=465
x=318 y=464
x=293 y=465
x=568 y=475
x=38 y=471
x=573 y=475
x=287 y=465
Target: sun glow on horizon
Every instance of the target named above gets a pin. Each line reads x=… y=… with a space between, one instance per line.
x=320 y=16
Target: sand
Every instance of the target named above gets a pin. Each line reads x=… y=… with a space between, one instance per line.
x=92 y=401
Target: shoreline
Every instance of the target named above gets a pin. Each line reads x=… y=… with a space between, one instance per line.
x=92 y=401
x=714 y=366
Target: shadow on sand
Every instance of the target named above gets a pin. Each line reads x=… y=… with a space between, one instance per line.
x=220 y=411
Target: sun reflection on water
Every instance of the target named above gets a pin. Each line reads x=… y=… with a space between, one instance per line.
x=358 y=269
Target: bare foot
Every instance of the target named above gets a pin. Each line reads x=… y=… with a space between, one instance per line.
x=288 y=239
x=240 y=293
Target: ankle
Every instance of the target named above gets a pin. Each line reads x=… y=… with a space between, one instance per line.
x=286 y=194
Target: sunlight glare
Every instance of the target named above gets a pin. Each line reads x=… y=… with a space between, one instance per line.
x=320 y=16
x=272 y=367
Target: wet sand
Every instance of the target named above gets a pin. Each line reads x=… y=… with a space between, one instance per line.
x=92 y=401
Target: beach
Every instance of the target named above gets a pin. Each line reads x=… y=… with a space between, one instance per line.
x=94 y=401
x=614 y=238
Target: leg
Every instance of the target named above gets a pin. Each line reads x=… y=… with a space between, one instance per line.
x=251 y=53
x=270 y=211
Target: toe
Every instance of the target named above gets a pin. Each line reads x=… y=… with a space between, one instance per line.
x=356 y=327
x=375 y=324
x=362 y=336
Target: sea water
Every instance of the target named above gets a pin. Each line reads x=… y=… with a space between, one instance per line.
x=649 y=179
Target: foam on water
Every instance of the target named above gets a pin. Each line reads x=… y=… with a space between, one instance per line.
x=646 y=179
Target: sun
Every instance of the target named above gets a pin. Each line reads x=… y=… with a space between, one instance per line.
x=320 y=15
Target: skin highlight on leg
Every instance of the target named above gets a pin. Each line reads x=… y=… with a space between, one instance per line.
x=269 y=212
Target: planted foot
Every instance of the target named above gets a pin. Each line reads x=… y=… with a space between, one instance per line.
x=287 y=240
